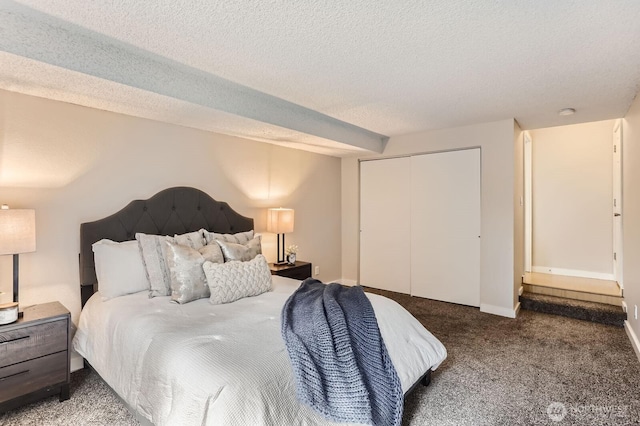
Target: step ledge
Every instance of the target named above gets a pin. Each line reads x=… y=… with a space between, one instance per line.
x=619 y=296
x=587 y=311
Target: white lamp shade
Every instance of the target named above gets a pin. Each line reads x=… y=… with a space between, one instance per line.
x=280 y=221
x=17 y=231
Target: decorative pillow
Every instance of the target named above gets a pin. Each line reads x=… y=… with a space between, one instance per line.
x=239 y=238
x=195 y=240
x=242 y=252
x=119 y=268
x=152 y=248
x=231 y=281
x=188 y=281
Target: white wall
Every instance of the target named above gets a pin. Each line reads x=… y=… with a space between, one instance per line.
x=74 y=164
x=631 y=215
x=496 y=141
x=572 y=193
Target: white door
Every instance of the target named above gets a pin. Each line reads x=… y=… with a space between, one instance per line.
x=617 y=202
x=445 y=226
x=385 y=209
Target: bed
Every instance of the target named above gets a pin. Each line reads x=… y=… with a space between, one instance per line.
x=199 y=363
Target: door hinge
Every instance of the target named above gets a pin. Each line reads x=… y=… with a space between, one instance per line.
x=615 y=257
x=615 y=202
x=615 y=148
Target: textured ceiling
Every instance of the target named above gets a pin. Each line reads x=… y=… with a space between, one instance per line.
x=350 y=72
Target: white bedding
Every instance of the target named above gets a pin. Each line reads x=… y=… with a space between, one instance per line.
x=207 y=364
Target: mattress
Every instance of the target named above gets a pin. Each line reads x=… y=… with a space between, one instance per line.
x=207 y=364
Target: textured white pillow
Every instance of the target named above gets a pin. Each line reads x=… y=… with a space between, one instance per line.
x=119 y=268
x=242 y=252
x=188 y=282
x=239 y=238
x=231 y=281
x=153 y=250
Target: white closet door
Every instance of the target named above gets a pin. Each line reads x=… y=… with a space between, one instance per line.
x=385 y=209
x=445 y=226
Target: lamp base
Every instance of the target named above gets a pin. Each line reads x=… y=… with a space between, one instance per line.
x=9 y=313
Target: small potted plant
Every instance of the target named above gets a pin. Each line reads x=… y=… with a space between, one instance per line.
x=291 y=254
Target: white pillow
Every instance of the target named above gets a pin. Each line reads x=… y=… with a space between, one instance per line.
x=119 y=268
x=231 y=281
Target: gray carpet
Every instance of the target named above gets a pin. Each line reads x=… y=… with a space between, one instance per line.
x=499 y=371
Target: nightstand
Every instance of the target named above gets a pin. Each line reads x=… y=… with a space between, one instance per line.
x=34 y=356
x=299 y=271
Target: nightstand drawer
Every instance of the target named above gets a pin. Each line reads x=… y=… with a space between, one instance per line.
x=298 y=274
x=298 y=271
x=24 y=377
x=32 y=342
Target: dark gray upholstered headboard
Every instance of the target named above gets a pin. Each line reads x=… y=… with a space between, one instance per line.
x=172 y=211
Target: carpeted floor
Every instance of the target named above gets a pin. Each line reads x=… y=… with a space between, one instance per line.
x=538 y=369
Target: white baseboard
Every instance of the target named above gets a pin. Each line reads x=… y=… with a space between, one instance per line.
x=345 y=281
x=624 y=306
x=520 y=291
x=572 y=273
x=633 y=338
x=499 y=310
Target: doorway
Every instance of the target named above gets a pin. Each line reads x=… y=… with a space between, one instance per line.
x=572 y=232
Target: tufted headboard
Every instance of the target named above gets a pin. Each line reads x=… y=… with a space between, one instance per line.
x=171 y=211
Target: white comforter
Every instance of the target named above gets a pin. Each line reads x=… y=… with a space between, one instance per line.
x=203 y=364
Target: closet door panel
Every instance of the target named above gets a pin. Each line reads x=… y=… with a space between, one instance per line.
x=445 y=226
x=385 y=209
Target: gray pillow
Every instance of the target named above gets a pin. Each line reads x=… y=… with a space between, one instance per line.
x=152 y=249
x=188 y=281
x=231 y=281
x=239 y=238
x=242 y=252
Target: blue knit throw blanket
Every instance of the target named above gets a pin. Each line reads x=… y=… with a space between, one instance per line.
x=340 y=362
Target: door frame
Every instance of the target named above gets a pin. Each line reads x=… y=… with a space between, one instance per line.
x=617 y=202
x=528 y=205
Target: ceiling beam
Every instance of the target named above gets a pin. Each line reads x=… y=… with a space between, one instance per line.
x=35 y=35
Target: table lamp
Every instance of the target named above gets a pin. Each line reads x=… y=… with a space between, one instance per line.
x=17 y=235
x=280 y=221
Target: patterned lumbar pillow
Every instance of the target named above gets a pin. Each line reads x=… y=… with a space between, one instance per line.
x=195 y=240
x=231 y=281
x=152 y=249
x=242 y=252
x=188 y=281
x=239 y=238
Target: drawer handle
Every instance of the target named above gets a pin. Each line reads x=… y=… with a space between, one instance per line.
x=13 y=375
x=17 y=339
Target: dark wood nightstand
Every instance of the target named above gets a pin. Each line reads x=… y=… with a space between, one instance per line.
x=34 y=356
x=299 y=271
